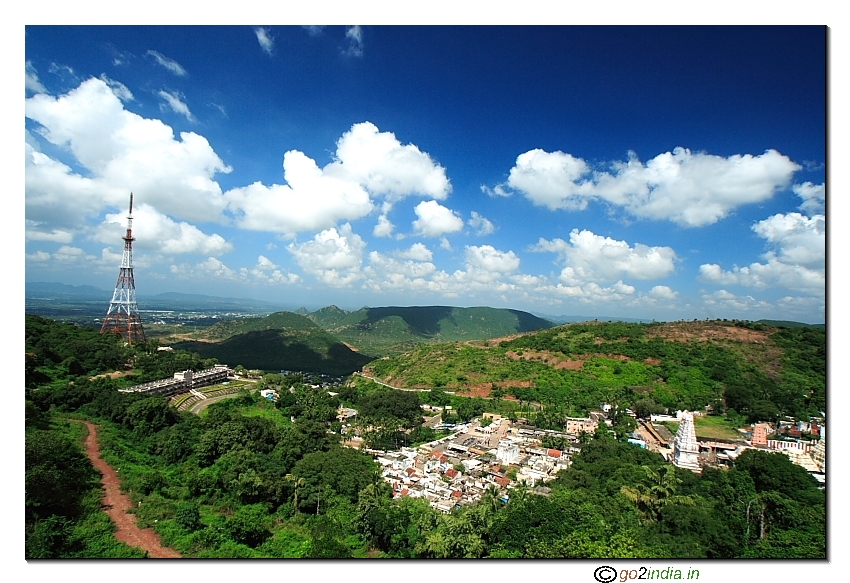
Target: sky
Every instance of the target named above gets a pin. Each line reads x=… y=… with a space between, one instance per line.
x=655 y=172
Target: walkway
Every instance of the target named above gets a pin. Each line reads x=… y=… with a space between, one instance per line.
x=117 y=504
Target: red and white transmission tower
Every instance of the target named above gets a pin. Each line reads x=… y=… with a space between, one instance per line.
x=123 y=314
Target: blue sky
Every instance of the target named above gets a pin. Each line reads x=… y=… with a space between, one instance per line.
x=650 y=172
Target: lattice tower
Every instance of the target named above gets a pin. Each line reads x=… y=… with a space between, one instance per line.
x=123 y=315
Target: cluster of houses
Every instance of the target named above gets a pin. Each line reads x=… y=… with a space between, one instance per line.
x=459 y=468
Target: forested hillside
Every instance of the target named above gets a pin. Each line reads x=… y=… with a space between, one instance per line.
x=754 y=370
x=281 y=341
x=393 y=330
x=243 y=480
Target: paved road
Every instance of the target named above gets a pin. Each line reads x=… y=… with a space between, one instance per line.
x=373 y=379
x=201 y=405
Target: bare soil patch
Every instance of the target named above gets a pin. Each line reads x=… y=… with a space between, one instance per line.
x=707 y=331
x=117 y=504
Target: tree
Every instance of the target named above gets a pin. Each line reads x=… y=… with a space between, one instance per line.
x=657 y=491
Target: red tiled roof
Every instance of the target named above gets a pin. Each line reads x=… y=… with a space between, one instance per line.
x=451 y=472
x=503 y=482
x=554 y=453
x=405 y=492
x=436 y=454
x=457 y=494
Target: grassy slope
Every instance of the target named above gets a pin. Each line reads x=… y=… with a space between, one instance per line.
x=678 y=364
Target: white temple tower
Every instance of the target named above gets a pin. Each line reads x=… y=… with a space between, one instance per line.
x=685 y=446
x=819 y=453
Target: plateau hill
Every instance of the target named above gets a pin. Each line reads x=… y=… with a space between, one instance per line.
x=280 y=341
x=393 y=330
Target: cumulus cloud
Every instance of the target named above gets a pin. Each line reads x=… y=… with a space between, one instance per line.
x=384 y=228
x=175 y=103
x=381 y=164
x=796 y=257
x=367 y=162
x=481 y=225
x=170 y=64
x=31 y=80
x=417 y=252
x=489 y=258
x=311 y=200
x=355 y=35
x=691 y=189
x=119 y=150
x=153 y=230
x=35 y=231
x=267 y=272
x=38 y=256
x=314 y=30
x=662 y=292
x=591 y=257
x=813 y=196
x=435 y=220
x=333 y=257
x=265 y=39
x=498 y=190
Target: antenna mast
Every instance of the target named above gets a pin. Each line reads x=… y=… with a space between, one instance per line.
x=123 y=315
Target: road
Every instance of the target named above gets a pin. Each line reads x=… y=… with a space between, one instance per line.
x=201 y=405
x=382 y=383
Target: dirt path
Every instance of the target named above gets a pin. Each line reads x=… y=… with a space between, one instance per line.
x=117 y=504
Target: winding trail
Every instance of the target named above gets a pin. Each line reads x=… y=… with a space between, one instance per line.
x=117 y=504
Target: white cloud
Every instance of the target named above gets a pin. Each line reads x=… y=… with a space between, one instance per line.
x=385 y=271
x=725 y=302
x=435 y=219
x=355 y=35
x=38 y=256
x=119 y=89
x=591 y=257
x=381 y=164
x=34 y=232
x=31 y=81
x=120 y=151
x=265 y=39
x=311 y=200
x=334 y=257
x=267 y=272
x=690 y=189
x=662 y=292
x=153 y=230
x=498 y=190
x=314 y=30
x=174 y=101
x=417 y=252
x=489 y=258
x=481 y=225
x=796 y=258
x=384 y=228
x=170 y=64
x=813 y=196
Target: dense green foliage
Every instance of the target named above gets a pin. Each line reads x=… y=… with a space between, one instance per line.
x=579 y=366
x=243 y=480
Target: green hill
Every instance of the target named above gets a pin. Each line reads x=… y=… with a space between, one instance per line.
x=393 y=330
x=280 y=341
x=760 y=371
x=276 y=321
